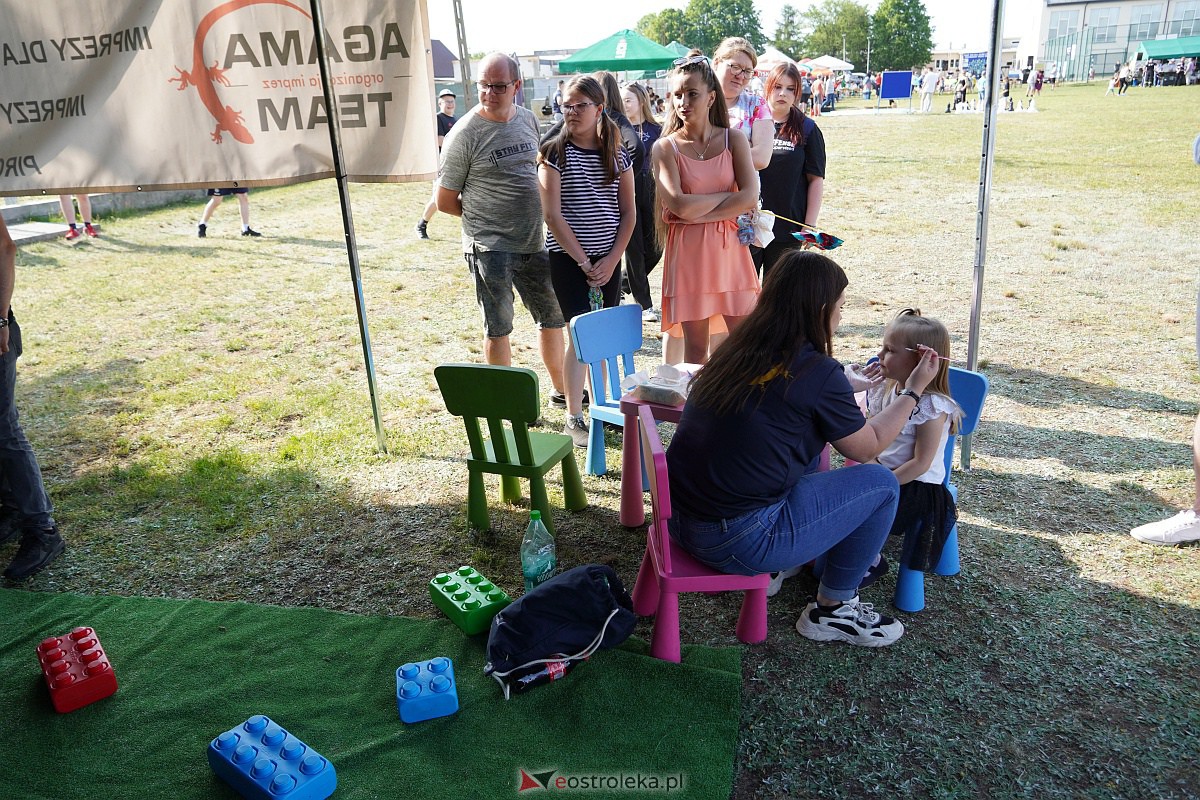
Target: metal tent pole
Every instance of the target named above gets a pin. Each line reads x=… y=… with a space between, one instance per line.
x=464 y=55
x=985 y=194
x=339 y=169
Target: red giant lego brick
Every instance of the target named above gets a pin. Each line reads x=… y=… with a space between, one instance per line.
x=77 y=671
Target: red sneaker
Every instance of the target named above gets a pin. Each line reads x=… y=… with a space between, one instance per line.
x=72 y=234
x=87 y=226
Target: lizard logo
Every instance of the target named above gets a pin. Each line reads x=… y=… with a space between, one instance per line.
x=206 y=78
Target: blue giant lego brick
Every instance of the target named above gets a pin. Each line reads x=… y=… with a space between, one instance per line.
x=468 y=598
x=261 y=760
x=426 y=690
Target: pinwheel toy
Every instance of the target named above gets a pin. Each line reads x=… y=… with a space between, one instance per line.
x=810 y=235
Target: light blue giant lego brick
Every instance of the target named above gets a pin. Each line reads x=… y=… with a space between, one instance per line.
x=426 y=690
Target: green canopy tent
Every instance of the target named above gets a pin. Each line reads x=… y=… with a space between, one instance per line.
x=681 y=49
x=624 y=50
x=1163 y=49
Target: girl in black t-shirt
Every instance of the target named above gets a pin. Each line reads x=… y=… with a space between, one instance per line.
x=794 y=182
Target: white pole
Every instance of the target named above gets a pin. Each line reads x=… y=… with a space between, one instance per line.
x=985 y=194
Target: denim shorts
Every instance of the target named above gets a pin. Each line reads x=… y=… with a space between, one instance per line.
x=497 y=273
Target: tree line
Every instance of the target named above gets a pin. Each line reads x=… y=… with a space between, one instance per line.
x=899 y=34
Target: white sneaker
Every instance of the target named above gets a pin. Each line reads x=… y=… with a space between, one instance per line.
x=777 y=579
x=650 y=315
x=1183 y=527
x=852 y=621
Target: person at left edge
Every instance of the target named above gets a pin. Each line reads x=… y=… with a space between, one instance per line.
x=25 y=509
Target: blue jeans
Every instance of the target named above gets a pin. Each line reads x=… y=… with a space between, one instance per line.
x=845 y=514
x=21 y=489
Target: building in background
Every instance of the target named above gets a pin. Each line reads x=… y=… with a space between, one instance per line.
x=1075 y=36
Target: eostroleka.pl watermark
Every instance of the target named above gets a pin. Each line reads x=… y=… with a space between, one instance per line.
x=552 y=780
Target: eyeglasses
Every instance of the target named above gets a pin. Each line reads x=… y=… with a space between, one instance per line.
x=739 y=72
x=494 y=88
x=575 y=108
x=688 y=61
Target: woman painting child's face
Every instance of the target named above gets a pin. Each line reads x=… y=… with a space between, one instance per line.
x=895 y=359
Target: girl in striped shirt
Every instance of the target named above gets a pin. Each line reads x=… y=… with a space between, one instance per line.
x=586 y=187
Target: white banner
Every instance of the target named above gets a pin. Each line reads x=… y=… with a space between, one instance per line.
x=125 y=95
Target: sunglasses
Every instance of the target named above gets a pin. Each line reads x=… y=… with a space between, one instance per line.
x=688 y=61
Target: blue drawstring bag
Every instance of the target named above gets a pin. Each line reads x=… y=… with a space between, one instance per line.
x=567 y=618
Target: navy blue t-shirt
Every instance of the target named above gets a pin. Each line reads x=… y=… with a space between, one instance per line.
x=729 y=465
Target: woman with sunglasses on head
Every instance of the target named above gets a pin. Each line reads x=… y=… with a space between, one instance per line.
x=794 y=182
x=734 y=64
x=705 y=178
x=585 y=180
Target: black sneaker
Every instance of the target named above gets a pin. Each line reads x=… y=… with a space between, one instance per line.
x=203 y=233
x=250 y=232
x=9 y=529
x=421 y=232
x=560 y=400
x=852 y=621
x=38 y=548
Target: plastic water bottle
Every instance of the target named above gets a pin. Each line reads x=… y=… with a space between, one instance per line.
x=538 y=561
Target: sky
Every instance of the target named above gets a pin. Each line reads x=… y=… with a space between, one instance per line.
x=541 y=25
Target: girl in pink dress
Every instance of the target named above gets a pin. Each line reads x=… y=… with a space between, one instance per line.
x=705 y=179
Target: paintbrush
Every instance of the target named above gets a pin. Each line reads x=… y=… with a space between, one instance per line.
x=922 y=352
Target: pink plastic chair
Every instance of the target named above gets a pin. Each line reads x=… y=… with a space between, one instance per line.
x=667 y=572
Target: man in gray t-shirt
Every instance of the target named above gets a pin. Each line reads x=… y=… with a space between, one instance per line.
x=488 y=176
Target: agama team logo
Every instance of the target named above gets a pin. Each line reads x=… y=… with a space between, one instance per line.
x=206 y=78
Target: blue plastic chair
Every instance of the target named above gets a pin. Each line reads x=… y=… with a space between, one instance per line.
x=606 y=340
x=969 y=390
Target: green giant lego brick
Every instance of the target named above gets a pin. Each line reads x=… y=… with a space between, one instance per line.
x=468 y=598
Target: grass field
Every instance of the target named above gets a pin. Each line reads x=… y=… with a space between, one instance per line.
x=201 y=414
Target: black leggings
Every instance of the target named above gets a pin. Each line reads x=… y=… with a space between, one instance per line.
x=571 y=286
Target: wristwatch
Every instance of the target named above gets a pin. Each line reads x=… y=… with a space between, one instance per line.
x=916 y=397
x=3 y=322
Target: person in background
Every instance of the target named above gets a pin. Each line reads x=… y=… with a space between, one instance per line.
x=929 y=83
x=556 y=103
x=734 y=63
x=793 y=184
x=85 y=211
x=643 y=254
x=447 y=101
x=587 y=196
x=488 y=176
x=25 y=510
x=215 y=197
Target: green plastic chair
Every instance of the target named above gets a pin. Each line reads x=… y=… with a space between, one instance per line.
x=509 y=395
